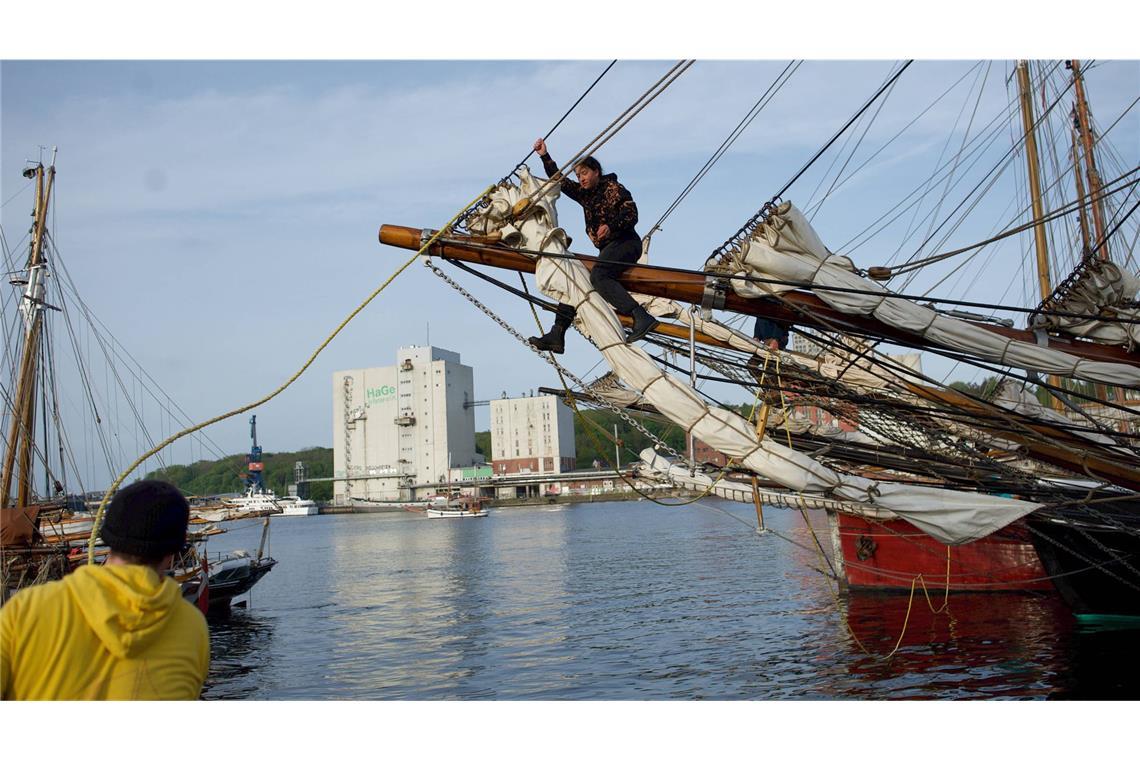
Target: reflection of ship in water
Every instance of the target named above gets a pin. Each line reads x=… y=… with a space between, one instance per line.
x=1021 y=646
x=240 y=646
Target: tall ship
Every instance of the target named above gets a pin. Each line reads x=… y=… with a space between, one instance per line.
x=47 y=510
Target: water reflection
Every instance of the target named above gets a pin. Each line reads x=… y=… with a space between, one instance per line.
x=240 y=646
x=961 y=646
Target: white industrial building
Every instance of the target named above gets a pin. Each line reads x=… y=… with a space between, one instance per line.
x=402 y=426
x=532 y=434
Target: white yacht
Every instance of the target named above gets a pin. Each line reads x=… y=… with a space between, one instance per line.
x=297 y=507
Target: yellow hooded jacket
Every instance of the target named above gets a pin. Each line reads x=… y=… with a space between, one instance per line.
x=118 y=632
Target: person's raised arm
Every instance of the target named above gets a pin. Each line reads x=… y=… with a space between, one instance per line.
x=569 y=187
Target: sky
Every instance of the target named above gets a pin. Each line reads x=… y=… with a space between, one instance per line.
x=220 y=217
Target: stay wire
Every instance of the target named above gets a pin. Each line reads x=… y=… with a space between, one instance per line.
x=745 y=122
x=568 y=112
x=610 y=130
x=1115 y=227
x=779 y=194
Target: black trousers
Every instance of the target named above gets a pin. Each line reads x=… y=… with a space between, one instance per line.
x=612 y=261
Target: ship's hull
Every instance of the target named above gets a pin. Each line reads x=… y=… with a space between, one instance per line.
x=301 y=510
x=892 y=554
x=233 y=576
x=1095 y=564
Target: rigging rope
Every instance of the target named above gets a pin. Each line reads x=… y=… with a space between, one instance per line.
x=751 y=223
x=98 y=521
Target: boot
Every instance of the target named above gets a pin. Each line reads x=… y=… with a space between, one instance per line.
x=554 y=341
x=643 y=322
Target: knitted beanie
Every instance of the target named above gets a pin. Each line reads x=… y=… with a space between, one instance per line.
x=147 y=519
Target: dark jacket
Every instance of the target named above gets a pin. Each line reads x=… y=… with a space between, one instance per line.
x=607 y=203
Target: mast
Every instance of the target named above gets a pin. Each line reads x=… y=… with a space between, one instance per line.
x=1095 y=185
x=1034 y=180
x=1082 y=211
x=1081 y=123
x=1035 y=195
x=21 y=434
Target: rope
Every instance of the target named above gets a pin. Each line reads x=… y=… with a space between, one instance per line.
x=1066 y=210
x=1115 y=227
x=114 y=486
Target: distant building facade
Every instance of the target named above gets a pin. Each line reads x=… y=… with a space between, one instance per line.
x=532 y=434
x=401 y=426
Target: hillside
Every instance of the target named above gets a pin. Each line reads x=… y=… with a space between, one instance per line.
x=222 y=476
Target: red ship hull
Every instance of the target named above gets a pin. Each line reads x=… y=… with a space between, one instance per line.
x=891 y=554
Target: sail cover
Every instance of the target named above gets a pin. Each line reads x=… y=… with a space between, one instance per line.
x=949 y=516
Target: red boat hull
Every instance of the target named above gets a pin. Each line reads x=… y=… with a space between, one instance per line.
x=891 y=554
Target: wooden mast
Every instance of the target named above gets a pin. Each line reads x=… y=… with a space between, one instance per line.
x=1095 y=185
x=1031 y=158
x=23 y=413
x=1034 y=179
x=1082 y=211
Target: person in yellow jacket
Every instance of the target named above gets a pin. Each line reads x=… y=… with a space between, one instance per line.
x=117 y=631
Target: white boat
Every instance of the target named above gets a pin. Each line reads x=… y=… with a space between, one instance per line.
x=297 y=507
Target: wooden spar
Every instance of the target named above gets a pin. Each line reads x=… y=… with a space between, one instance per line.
x=1082 y=211
x=1034 y=180
x=688 y=287
x=1064 y=455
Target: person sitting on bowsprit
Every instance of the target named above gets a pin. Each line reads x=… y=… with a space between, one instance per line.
x=611 y=216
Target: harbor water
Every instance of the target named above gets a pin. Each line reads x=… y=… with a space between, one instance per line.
x=626 y=601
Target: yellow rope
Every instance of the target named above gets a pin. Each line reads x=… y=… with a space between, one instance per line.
x=114 y=486
x=918 y=579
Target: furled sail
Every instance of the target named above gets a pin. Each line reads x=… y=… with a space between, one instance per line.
x=1097 y=289
x=785 y=247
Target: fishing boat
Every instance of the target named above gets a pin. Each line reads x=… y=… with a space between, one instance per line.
x=211 y=581
x=956 y=488
x=456 y=506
